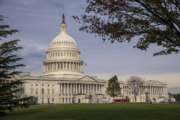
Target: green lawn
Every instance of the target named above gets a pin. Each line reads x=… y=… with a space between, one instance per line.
x=97 y=112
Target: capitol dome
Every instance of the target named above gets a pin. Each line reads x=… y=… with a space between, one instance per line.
x=63 y=56
x=63 y=39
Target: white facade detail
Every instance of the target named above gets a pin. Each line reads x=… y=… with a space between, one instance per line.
x=63 y=80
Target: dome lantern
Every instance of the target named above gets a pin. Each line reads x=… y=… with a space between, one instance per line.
x=63 y=24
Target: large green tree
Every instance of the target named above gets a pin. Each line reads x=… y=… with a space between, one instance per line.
x=113 y=88
x=150 y=22
x=10 y=88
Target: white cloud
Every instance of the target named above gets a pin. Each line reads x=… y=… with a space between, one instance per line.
x=32 y=47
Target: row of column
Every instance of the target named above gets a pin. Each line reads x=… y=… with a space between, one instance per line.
x=63 y=66
x=156 y=90
x=62 y=54
x=68 y=89
x=151 y=90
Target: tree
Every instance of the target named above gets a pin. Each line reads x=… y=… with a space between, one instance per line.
x=146 y=22
x=10 y=88
x=177 y=97
x=135 y=83
x=113 y=88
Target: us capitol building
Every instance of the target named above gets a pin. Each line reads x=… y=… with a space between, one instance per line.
x=63 y=80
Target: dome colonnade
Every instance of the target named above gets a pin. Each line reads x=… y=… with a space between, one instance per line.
x=63 y=56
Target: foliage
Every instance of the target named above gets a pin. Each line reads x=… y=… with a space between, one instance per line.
x=10 y=88
x=113 y=88
x=146 y=22
x=177 y=97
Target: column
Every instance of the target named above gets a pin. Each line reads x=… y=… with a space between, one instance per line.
x=163 y=91
x=77 y=88
x=66 y=87
x=73 y=88
x=82 y=86
x=76 y=67
x=89 y=88
x=85 y=88
x=52 y=67
x=60 y=89
x=69 y=87
x=88 y=92
x=73 y=67
x=76 y=85
x=49 y=65
x=62 y=65
x=67 y=66
x=95 y=88
x=63 y=89
x=55 y=65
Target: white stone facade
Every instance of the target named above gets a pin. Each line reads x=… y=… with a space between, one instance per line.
x=63 y=80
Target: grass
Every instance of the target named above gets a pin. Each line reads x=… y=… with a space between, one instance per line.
x=97 y=112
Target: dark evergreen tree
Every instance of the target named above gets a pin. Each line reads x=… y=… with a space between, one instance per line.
x=113 y=88
x=154 y=22
x=10 y=88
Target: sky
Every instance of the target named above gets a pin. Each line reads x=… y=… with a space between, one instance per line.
x=38 y=22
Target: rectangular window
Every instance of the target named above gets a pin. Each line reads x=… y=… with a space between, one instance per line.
x=36 y=91
x=32 y=90
x=52 y=91
x=48 y=91
x=42 y=90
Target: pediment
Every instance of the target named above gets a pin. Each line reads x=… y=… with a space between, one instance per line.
x=88 y=78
